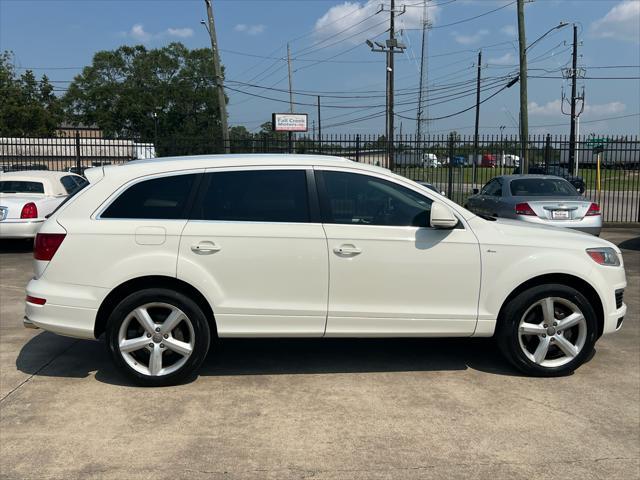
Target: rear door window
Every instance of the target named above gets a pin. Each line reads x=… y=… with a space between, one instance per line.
x=254 y=196
x=158 y=198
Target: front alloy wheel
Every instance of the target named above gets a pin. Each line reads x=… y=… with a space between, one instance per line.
x=552 y=332
x=548 y=330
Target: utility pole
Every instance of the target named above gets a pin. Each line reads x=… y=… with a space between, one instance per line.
x=524 y=114
x=391 y=47
x=319 y=127
x=217 y=71
x=477 y=127
x=574 y=78
x=390 y=78
x=290 y=95
x=423 y=72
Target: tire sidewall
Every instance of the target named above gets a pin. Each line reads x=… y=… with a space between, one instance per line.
x=509 y=335
x=171 y=297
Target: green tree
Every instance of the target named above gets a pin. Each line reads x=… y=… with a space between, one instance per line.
x=241 y=139
x=166 y=93
x=28 y=107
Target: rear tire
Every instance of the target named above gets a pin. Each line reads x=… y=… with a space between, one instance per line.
x=158 y=337
x=548 y=330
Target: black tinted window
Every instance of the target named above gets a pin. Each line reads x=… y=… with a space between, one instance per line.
x=360 y=199
x=255 y=196
x=18 y=186
x=164 y=197
x=542 y=187
x=69 y=184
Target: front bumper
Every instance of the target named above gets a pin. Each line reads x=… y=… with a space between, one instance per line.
x=10 y=229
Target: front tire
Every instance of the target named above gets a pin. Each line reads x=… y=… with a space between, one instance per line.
x=548 y=330
x=158 y=337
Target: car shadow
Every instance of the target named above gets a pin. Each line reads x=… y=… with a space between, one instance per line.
x=233 y=357
x=630 y=244
x=16 y=245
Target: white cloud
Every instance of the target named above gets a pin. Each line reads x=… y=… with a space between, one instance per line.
x=360 y=21
x=549 y=108
x=139 y=34
x=611 y=108
x=553 y=108
x=249 y=29
x=470 y=39
x=509 y=30
x=507 y=59
x=622 y=22
x=180 y=32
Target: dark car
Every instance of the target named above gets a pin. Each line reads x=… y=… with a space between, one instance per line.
x=558 y=171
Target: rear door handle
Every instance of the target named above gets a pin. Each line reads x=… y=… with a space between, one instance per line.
x=347 y=250
x=205 y=247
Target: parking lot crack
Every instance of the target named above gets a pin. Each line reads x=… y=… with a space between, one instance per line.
x=40 y=369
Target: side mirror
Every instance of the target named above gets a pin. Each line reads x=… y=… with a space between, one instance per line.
x=475 y=191
x=442 y=216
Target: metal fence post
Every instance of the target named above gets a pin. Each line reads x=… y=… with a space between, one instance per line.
x=547 y=153
x=357 y=147
x=450 y=167
x=78 y=169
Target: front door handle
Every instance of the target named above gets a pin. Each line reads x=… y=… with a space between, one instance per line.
x=347 y=250
x=205 y=248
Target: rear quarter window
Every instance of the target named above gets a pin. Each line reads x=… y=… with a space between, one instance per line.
x=158 y=198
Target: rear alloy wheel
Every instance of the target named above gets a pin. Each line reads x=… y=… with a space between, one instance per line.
x=158 y=337
x=548 y=330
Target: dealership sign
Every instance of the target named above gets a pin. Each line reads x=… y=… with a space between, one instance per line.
x=289 y=122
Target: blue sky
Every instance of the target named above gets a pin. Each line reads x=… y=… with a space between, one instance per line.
x=329 y=55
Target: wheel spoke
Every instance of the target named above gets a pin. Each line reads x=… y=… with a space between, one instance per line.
x=172 y=321
x=532 y=329
x=570 y=321
x=183 y=348
x=145 y=320
x=541 y=351
x=155 y=361
x=547 y=311
x=133 y=344
x=569 y=349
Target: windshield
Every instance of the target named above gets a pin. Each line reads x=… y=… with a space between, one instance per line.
x=538 y=187
x=18 y=186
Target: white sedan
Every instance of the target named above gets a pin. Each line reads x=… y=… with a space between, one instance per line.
x=26 y=198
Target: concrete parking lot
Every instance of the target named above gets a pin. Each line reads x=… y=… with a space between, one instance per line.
x=329 y=409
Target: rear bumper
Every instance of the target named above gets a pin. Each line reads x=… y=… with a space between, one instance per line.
x=69 y=310
x=19 y=229
x=591 y=225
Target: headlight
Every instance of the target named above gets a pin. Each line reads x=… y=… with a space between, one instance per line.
x=604 y=256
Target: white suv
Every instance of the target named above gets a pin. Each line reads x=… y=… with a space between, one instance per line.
x=163 y=255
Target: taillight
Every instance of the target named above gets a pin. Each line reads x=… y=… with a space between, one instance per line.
x=524 y=209
x=46 y=245
x=29 y=211
x=36 y=300
x=594 y=209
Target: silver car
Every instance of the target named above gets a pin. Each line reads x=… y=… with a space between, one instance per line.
x=542 y=199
